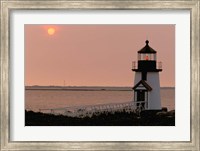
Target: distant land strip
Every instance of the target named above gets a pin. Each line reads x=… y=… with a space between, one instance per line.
x=77 y=88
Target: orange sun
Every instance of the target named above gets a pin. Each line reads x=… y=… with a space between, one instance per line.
x=51 y=31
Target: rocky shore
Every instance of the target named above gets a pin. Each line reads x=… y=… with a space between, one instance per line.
x=122 y=118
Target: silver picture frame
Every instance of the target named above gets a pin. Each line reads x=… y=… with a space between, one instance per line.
x=192 y=6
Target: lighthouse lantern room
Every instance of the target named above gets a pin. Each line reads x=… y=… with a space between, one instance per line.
x=147 y=84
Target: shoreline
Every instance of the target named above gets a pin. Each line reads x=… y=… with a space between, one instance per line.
x=119 y=118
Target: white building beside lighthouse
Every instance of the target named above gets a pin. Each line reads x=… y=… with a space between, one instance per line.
x=147 y=83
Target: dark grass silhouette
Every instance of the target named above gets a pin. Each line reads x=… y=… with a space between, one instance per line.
x=123 y=118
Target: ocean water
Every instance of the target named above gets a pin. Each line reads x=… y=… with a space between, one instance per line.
x=51 y=98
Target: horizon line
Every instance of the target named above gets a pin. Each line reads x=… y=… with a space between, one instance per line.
x=82 y=86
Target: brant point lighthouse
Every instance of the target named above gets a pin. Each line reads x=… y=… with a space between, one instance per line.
x=147 y=83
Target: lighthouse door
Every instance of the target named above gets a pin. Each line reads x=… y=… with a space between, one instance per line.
x=141 y=90
x=141 y=99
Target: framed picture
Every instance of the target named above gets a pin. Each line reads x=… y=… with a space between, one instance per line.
x=86 y=75
x=97 y=80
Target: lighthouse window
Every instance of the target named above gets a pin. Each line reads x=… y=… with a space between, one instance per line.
x=144 y=75
x=139 y=56
x=154 y=57
x=147 y=56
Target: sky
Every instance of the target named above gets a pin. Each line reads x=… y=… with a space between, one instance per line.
x=94 y=55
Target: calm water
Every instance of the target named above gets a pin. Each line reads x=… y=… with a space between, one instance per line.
x=37 y=99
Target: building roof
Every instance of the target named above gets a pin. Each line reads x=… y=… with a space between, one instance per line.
x=147 y=49
x=145 y=84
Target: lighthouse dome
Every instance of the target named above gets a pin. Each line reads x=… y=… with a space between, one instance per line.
x=147 y=48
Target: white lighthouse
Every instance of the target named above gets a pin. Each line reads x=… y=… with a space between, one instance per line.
x=147 y=83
